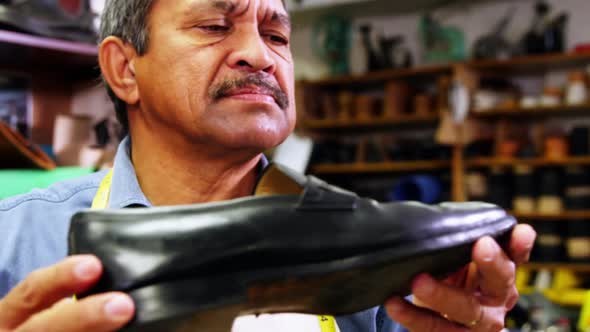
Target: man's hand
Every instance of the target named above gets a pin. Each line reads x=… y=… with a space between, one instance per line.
x=476 y=299
x=42 y=302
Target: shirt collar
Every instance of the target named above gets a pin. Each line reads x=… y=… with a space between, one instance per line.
x=125 y=189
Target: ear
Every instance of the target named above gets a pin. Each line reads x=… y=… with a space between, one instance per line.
x=116 y=59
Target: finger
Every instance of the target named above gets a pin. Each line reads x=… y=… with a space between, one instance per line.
x=99 y=313
x=497 y=272
x=458 y=278
x=418 y=319
x=512 y=300
x=521 y=243
x=461 y=306
x=42 y=288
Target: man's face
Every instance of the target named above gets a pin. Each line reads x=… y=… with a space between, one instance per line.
x=219 y=72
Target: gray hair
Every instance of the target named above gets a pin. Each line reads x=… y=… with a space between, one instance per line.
x=128 y=20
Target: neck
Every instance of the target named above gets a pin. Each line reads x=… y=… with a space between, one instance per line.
x=188 y=174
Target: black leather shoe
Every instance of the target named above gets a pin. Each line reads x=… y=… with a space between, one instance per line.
x=66 y=20
x=313 y=248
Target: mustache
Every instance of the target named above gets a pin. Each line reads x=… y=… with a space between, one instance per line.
x=222 y=89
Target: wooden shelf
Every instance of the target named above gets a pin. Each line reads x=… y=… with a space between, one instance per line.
x=534 y=162
x=23 y=51
x=576 y=267
x=383 y=167
x=533 y=62
x=368 y=124
x=536 y=111
x=382 y=76
x=524 y=63
x=565 y=215
x=375 y=7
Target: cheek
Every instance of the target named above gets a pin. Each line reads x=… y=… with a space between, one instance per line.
x=189 y=78
x=289 y=82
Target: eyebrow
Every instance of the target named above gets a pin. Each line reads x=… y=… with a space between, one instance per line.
x=282 y=19
x=228 y=7
x=224 y=5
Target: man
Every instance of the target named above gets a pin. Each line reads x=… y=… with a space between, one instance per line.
x=204 y=87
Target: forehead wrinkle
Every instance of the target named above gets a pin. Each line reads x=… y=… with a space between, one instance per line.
x=281 y=19
x=225 y=6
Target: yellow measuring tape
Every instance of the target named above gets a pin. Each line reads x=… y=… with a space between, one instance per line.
x=101 y=201
x=327 y=323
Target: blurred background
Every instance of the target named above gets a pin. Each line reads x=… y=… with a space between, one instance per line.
x=425 y=100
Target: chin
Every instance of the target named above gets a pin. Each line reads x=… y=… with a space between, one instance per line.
x=254 y=130
x=255 y=140
x=262 y=141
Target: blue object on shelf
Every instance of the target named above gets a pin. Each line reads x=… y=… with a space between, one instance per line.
x=48 y=149
x=423 y=188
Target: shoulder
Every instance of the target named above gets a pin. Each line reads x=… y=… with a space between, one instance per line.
x=59 y=193
x=34 y=226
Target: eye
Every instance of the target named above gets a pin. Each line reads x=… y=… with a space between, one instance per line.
x=278 y=39
x=215 y=28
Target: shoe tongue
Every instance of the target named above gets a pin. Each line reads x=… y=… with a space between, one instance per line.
x=278 y=180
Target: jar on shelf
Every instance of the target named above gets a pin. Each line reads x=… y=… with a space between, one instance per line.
x=529 y=101
x=524 y=190
x=365 y=107
x=423 y=105
x=577 y=188
x=550 y=200
x=577 y=89
x=552 y=97
x=578 y=241
x=346 y=105
x=397 y=97
x=556 y=147
x=508 y=149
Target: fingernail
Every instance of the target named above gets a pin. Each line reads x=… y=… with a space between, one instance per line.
x=423 y=285
x=87 y=269
x=489 y=248
x=118 y=307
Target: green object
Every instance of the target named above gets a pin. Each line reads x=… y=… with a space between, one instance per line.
x=331 y=41
x=16 y=182
x=442 y=44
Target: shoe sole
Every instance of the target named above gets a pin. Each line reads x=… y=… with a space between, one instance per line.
x=336 y=287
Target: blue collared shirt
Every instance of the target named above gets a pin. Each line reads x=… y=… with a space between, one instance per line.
x=34 y=228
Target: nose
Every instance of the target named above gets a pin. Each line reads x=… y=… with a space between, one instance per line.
x=251 y=53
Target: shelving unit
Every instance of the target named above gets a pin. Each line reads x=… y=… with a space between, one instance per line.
x=533 y=63
x=565 y=110
x=370 y=124
x=575 y=267
x=534 y=162
x=24 y=52
x=469 y=74
x=308 y=11
x=460 y=71
x=509 y=121
x=563 y=216
x=381 y=76
x=55 y=68
x=384 y=167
